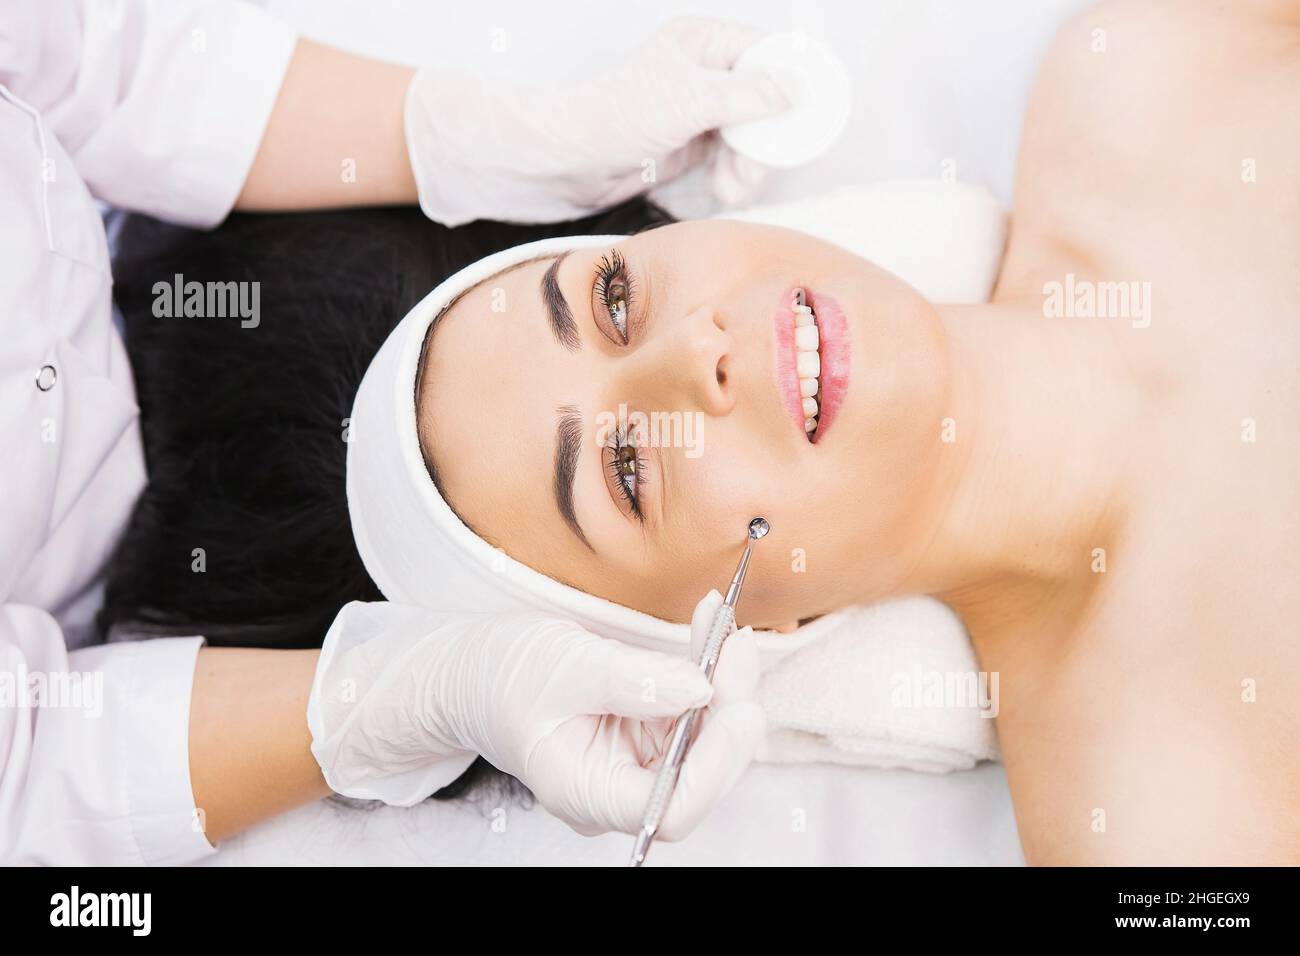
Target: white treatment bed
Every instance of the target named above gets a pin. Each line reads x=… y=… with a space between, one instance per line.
x=940 y=87
x=815 y=815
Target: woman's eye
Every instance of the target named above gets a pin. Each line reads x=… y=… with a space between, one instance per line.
x=626 y=470
x=616 y=305
x=614 y=295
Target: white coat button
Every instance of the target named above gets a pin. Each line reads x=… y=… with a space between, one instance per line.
x=46 y=377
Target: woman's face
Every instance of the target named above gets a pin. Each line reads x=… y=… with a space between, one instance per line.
x=614 y=417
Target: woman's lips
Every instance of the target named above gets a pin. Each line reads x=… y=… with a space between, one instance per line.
x=833 y=352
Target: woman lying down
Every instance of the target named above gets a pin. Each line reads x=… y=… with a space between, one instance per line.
x=1096 y=469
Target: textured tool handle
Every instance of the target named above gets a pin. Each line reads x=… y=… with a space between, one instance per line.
x=724 y=624
x=669 y=771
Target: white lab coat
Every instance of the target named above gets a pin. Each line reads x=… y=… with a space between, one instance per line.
x=154 y=106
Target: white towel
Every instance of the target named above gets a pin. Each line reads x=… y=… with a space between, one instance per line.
x=894 y=684
x=944 y=238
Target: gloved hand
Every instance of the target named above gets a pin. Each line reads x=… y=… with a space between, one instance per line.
x=403 y=698
x=490 y=149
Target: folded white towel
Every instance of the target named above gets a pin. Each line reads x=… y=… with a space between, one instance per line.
x=894 y=684
x=944 y=238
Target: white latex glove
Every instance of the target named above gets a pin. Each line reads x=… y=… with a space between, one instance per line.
x=403 y=698
x=491 y=149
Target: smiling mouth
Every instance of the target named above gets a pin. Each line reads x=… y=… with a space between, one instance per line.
x=812 y=359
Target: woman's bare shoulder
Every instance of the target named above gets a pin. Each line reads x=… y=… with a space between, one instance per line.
x=1132 y=755
x=1141 y=105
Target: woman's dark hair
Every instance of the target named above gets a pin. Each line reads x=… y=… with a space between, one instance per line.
x=242 y=533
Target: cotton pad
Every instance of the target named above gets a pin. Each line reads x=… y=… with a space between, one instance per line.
x=815 y=79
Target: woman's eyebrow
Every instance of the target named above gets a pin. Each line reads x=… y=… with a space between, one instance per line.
x=568 y=447
x=557 y=307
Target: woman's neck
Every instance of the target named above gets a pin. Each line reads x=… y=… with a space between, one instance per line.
x=1042 y=414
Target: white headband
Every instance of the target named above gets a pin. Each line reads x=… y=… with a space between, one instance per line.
x=414 y=546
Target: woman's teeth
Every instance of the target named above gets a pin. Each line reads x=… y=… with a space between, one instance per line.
x=808 y=363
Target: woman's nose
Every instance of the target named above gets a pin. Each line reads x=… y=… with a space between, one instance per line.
x=687 y=366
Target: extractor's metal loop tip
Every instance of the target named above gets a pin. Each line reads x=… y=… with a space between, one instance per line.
x=758 y=527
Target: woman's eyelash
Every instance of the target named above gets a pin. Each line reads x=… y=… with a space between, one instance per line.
x=628 y=469
x=614 y=289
